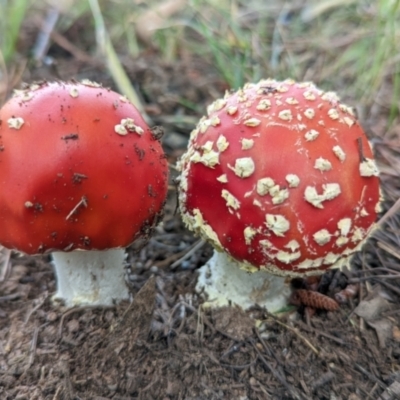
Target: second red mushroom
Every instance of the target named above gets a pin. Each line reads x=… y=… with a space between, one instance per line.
x=281 y=179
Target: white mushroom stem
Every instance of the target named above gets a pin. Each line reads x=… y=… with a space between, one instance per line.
x=224 y=282
x=90 y=277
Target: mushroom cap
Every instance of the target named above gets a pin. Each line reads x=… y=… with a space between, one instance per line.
x=79 y=169
x=281 y=176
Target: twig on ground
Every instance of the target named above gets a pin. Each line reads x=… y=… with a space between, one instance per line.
x=367 y=278
x=177 y=256
x=58 y=392
x=238 y=367
x=232 y=349
x=77 y=309
x=321 y=333
x=393 y=288
x=196 y=246
x=370 y=376
x=296 y=331
x=34 y=309
x=378 y=269
x=276 y=374
x=75 y=51
x=372 y=392
x=392 y=211
x=32 y=350
x=13 y=296
x=6 y=265
x=266 y=348
x=388 y=248
x=323 y=380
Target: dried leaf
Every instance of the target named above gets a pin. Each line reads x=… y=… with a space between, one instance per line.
x=383 y=329
x=392 y=392
x=373 y=308
x=156 y=18
x=396 y=333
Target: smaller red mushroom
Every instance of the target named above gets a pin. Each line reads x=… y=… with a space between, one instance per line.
x=281 y=179
x=82 y=177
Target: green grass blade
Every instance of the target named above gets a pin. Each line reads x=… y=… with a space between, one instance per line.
x=113 y=64
x=13 y=13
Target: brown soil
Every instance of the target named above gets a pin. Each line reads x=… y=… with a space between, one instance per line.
x=163 y=344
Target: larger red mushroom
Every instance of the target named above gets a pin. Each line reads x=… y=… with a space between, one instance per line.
x=82 y=177
x=280 y=178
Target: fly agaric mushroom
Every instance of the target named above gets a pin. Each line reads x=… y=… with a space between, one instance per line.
x=79 y=170
x=280 y=178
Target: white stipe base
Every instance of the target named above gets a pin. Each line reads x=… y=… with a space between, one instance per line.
x=90 y=277
x=223 y=282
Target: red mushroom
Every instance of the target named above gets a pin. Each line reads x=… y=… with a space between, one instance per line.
x=79 y=170
x=281 y=179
